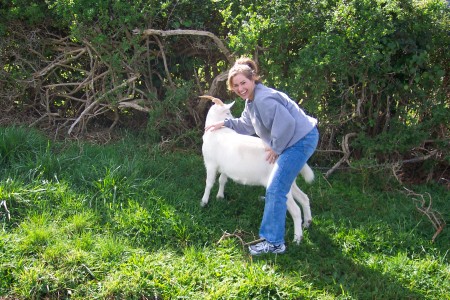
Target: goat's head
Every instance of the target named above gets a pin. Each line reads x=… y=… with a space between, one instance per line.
x=219 y=111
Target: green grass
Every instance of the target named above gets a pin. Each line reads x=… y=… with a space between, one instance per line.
x=123 y=221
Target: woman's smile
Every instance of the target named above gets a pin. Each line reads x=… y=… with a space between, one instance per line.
x=243 y=87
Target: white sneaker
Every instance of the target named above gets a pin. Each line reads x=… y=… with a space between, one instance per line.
x=266 y=247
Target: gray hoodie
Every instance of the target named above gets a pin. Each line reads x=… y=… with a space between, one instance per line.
x=274 y=117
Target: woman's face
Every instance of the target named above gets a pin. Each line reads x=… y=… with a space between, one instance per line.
x=243 y=87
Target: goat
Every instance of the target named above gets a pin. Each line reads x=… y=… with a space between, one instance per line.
x=243 y=159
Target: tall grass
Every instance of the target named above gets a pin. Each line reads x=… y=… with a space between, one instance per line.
x=123 y=221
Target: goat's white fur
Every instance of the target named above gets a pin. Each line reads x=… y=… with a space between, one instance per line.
x=243 y=159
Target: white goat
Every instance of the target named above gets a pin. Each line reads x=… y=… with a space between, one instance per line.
x=243 y=159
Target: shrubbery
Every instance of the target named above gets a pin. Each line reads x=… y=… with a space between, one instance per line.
x=375 y=68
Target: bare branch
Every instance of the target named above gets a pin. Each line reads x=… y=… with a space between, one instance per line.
x=238 y=234
x=87 y=109
x=163 y=33
x=421 y=158
x=63 y=59
x=434 y=216
x=346 y=150
x=163 y=54
x=134 y=104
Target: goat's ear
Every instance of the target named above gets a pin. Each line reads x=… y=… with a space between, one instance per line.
x=229 y=105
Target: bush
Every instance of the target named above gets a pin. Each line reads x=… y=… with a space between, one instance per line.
x=374 y=67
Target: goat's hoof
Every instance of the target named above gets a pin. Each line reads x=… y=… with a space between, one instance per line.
x=306 y=224
x=203 y=204
x=297 y=240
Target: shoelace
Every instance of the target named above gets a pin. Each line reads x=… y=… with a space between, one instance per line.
x=264 y=246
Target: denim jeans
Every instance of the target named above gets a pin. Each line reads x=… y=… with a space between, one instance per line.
x=286 y=169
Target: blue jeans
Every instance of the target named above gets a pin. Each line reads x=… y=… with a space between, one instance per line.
x=286 y=169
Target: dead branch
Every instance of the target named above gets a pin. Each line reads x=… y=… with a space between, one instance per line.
x=134 y=104
x=70 y=87
x=346 y=150
x=420 y=159
x=166 y=68
x=434 y=216
x=88 y=109
x=238 y=234
x=163 y=33
x=63 y=59
x=47 y=115
x=396 y=167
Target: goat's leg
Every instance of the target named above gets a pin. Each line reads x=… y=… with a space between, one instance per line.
x=303 y=199
x=222 y=181
x=296 y=215
x=211 y=172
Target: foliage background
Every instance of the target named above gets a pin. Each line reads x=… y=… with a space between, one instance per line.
x=374 y=70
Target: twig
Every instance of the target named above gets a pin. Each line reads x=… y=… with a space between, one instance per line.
x=89 y=271
x=254 y=242
x=166 y=68
x=226 y=235
x=346 y=150
x=238 y=234
x=434 y=216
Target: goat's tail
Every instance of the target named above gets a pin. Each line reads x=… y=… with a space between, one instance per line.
x=307 y=173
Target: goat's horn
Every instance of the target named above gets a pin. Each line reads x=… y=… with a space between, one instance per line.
x=213 y=99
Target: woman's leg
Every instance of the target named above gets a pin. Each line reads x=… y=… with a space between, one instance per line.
x=287 y=167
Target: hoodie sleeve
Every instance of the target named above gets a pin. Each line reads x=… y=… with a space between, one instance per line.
x=242 y=125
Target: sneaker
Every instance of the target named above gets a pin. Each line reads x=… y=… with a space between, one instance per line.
x=266 y=247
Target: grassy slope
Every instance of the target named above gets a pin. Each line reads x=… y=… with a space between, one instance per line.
x=124 y=221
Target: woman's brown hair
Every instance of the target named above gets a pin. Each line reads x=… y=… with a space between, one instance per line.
x=246 y=67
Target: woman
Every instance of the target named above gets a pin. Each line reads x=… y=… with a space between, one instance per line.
x=291 y=137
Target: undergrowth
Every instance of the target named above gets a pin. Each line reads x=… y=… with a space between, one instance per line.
x=123 y=221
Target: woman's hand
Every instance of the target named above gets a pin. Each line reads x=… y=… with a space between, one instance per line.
x=271 y=155
x=214 y=126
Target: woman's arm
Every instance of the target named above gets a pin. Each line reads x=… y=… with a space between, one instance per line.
x=242 y=125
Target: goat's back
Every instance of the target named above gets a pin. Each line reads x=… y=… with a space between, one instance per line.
x=240 y=157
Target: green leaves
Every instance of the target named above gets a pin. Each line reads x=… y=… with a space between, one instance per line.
x=369 y=66
x=375 y=67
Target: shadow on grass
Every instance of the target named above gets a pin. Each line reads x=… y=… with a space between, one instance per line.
x=327 y=268
x=319 y=261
